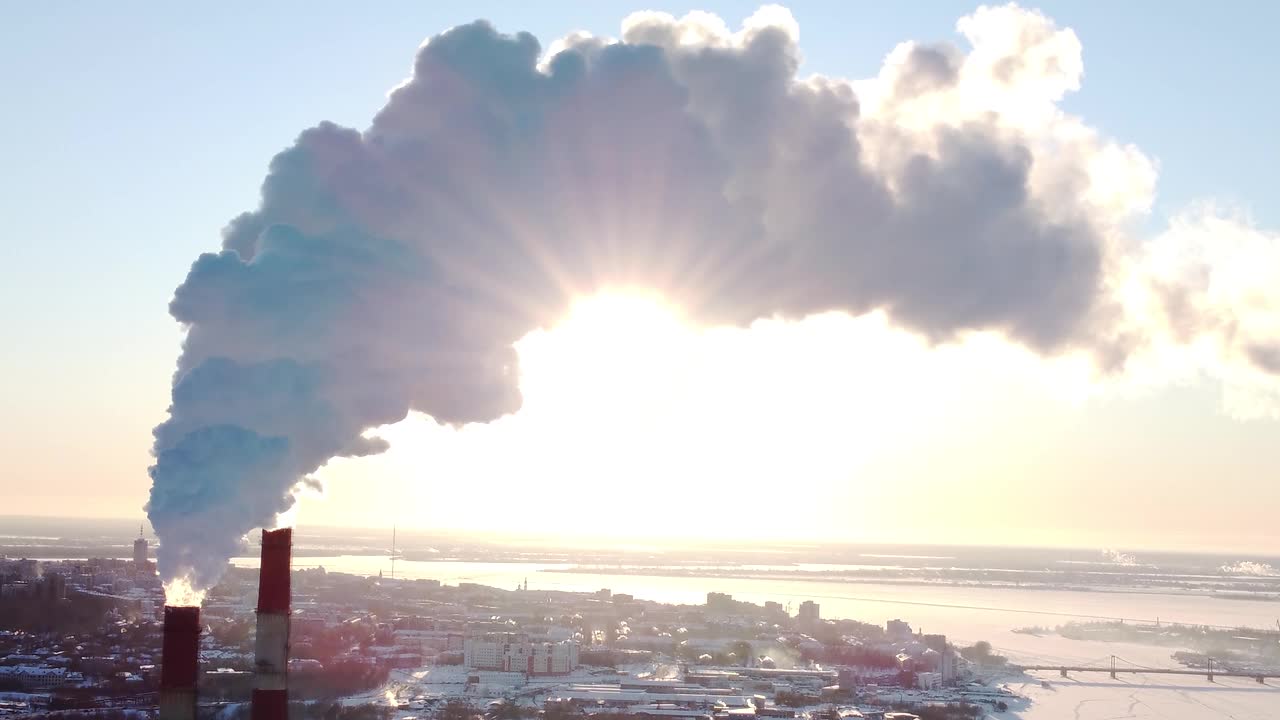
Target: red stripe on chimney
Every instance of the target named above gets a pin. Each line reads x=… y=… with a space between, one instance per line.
x=179 y=651
x=273 y=578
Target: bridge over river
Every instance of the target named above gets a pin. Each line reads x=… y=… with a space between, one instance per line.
x=1115 y=665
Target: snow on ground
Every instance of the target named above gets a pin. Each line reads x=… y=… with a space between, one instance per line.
x=968 y=615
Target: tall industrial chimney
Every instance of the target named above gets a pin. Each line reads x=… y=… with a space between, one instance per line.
x=178 y=663
x=271 y=694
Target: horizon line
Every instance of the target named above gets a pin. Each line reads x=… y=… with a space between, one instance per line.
x=616 y=542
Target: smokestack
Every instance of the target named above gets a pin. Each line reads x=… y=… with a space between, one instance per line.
x=178 y=663
x=271 y=694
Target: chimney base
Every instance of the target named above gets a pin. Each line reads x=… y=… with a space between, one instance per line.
x=270 y=705
x=178 y=704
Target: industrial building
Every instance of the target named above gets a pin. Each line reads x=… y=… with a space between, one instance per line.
x=684 y=697
x=180 y=650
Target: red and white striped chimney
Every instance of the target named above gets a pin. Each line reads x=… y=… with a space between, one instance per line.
x=271 y=693
x=178 y=662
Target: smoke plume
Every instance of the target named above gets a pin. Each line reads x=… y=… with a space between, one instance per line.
x=391 y=269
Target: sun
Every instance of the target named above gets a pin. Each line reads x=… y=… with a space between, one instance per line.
x=616 y=347
x=617 y=322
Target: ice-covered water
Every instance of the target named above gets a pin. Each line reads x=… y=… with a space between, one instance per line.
x=960 y=610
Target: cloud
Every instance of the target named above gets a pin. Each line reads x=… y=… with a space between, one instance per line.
x=391 y=270
x=1204 y=296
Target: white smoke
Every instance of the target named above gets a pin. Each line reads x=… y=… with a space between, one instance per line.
x=1116 y=557
x=1250 y=567
x=392 y=269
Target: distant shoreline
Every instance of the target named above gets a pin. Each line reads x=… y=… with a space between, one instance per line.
x=1259 y=588
x=1260 y=595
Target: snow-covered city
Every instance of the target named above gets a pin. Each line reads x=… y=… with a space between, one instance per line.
x=469 y=632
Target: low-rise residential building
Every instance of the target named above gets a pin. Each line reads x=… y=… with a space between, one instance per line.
x=35 y=678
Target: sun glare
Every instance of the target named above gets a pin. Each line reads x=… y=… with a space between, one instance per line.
x=621 y=318
x=635 y=421
x=610 y=348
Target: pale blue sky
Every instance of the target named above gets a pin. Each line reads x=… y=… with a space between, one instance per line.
x=133 y=131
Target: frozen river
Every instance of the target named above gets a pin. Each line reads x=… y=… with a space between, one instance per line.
x=955 y=610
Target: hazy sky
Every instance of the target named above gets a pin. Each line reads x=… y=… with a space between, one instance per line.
x=133 y=134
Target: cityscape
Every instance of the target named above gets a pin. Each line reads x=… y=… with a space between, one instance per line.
x=639 y=361
x=95 y=634
x=286 y=637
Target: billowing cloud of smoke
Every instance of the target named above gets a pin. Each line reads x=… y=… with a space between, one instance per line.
x=391 y=269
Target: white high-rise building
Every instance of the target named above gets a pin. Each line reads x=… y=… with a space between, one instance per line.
x=513 y=652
